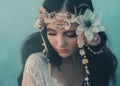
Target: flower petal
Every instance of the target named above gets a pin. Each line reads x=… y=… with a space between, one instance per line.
x=37 y=23
x=79 y=29
x=89 y=35
x=95 y=29
x=98 y=16
x=100 y=27
x=88 y=14
x=78 y=19
x=96 y=22
x=80 y=40
x=83 y=18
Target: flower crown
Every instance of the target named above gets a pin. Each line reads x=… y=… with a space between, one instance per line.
x=88 y=24
x=45 y=18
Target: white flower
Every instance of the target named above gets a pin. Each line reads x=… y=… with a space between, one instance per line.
x=89 y=23
x=37 y=25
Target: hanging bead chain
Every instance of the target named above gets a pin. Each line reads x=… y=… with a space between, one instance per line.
x=85 y=61
x=94 y=52
x=45 y=51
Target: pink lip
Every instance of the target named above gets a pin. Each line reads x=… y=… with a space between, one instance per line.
x=62 y=50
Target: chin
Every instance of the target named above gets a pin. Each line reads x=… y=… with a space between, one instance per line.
x=64 y=55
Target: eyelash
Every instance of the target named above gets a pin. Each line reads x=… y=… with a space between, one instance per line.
x=51 y=33
x=69 y=34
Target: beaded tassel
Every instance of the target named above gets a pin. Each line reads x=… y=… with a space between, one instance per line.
x=85 y=61
x=94 y=52
x=45 y=51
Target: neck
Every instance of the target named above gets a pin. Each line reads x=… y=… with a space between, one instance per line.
x=72 y=60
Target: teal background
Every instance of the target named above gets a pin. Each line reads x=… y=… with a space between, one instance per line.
x=16 y=23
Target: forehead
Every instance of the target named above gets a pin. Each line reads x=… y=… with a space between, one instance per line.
x=73 y=26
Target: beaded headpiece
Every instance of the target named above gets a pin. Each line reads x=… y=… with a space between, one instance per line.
x=63 y=19
x=87 y=30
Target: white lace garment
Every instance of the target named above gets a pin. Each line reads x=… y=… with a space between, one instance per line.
x=36 y=72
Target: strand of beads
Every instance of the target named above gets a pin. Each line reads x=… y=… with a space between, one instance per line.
x=85 y=61
x=94 y=52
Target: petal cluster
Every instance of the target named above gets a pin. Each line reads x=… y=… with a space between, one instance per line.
x=89 y=23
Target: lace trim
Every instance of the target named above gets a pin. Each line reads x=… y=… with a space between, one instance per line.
x=37 y=67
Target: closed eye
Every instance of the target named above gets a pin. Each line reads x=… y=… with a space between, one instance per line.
x=51 y=32
x=71 y=34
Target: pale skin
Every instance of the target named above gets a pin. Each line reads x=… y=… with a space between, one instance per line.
x=65 y=43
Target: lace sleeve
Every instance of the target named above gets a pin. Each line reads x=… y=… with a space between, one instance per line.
x=32 y=75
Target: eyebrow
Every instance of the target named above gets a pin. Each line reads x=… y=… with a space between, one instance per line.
x=69 y=31
x=50 y=29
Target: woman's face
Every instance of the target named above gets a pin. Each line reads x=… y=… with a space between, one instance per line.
x=63 y=41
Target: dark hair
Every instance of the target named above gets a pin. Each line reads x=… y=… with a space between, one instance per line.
x=102 y=67
x=69 y=5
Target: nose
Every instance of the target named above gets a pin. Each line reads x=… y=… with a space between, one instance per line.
x=61 y=42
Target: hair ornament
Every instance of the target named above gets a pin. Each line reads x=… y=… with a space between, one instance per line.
x=89 y=24
x=64 y=19
x=85 y=62
x=94 y=52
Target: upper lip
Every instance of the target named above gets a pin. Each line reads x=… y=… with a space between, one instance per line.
x=62 y=50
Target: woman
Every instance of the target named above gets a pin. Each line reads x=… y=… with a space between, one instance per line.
x=70 y=49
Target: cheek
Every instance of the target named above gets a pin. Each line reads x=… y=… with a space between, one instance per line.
x=51 y=40
x=73 y=43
